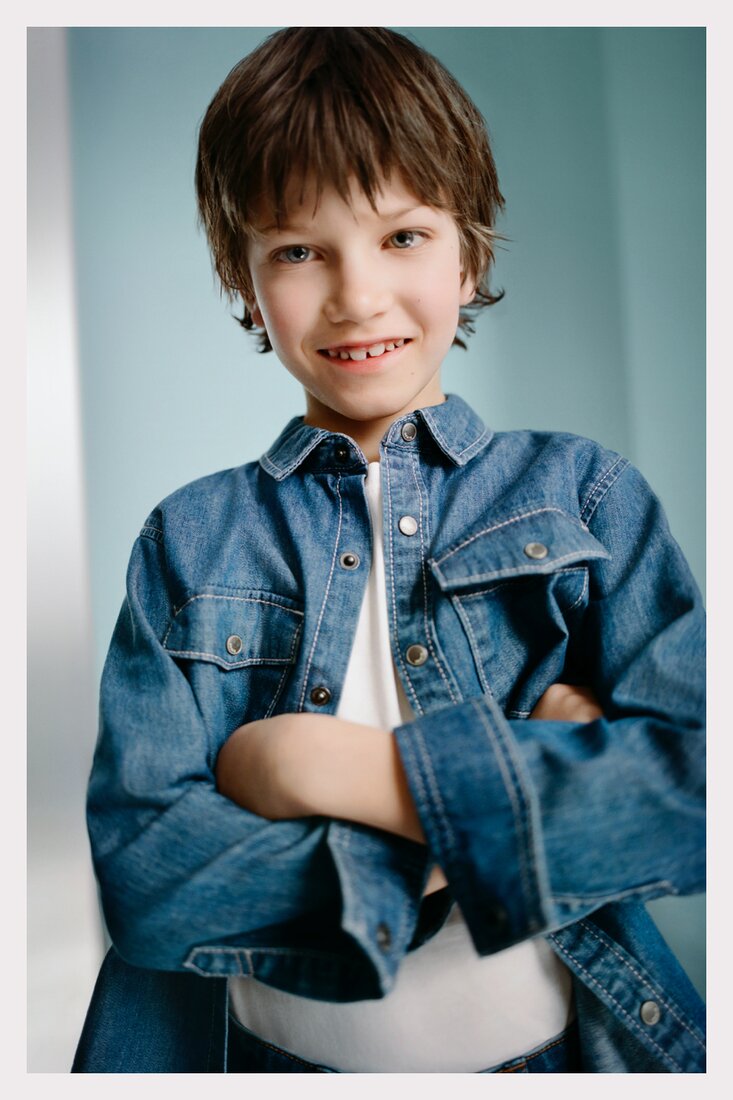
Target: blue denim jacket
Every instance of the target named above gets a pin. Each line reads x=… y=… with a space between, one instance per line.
x=538 y=557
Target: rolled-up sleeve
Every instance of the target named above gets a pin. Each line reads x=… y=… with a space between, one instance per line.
x=536 y=823
x=178 y=864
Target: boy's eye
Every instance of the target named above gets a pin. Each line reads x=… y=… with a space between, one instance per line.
x=405 y=238
x=296 y=254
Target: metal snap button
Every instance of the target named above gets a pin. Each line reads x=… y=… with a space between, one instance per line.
x=408 y=525
x=416 y=655
x=536 y=550
x=650 y=1013
x=234 y=644
x=320 y=696
x=349 y=561
x=409 y=431
x=384 y=937
x=342 y=452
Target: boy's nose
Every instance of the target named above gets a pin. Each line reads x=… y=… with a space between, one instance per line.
x=357 y=293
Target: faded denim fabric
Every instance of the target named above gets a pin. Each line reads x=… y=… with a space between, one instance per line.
x=538 y=557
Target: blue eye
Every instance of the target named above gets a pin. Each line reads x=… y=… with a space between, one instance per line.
x=405 y=238
x=298 y=254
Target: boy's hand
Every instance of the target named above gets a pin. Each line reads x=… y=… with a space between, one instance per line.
x=567 y=703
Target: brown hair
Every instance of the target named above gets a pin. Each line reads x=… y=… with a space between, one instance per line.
x=329 y=104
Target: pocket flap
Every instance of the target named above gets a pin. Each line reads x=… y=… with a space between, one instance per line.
x=536 y=542
x=255 y=628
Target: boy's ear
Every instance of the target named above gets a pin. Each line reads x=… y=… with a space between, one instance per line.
x=255 y=313
x=468 y=290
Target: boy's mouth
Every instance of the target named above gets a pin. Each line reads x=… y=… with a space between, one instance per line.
x=358 y=353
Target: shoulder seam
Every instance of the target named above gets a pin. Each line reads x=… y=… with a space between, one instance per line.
x=601 y=487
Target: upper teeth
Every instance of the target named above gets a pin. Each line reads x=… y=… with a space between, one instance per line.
x=361 y=353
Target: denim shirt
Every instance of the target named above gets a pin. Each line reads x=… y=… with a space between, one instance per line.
x=538 y=557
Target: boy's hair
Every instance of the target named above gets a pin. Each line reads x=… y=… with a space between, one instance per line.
x=330 y=104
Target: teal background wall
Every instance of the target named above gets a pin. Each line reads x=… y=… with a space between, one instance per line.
x=599 y=138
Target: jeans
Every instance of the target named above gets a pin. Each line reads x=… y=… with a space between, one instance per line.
x=249 y=1054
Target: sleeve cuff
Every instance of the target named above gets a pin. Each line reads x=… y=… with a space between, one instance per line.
x=382 y=878
x=479 y=814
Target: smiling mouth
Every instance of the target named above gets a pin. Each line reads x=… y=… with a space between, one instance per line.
x=366 y=351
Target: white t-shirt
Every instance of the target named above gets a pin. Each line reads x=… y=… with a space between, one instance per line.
x=450 y=1009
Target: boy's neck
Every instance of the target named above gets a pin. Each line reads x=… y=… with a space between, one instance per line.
x=368 y=434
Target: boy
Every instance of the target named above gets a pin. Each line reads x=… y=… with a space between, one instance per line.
x=352 y=806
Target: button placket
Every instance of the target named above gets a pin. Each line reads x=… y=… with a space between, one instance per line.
x=427 y=680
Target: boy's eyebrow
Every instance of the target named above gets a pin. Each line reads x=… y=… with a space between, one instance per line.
x=292 y=227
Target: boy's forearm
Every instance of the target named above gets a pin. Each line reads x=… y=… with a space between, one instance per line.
x=298 y=765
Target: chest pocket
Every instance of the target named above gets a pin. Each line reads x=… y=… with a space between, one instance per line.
x=519 y=589
x=236 y=651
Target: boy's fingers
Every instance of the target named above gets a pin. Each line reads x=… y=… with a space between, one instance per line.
x=567 y=703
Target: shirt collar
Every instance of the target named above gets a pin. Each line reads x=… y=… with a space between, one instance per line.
x=457 y=430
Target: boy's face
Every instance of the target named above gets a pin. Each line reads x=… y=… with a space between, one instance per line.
x=360 y=305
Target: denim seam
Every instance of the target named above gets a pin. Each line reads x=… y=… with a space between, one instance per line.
x=506 y=523
x=542 y=570
x=152 y=533
x=581 y=597
x=237 y=599
x=278 y=690
x=606 y=898
x=633 y=1023
x=460 y=611
x=426 y=617
x=518 y=801
x=233 y=666
x=644 y=980
x=280 y=472
x=408 y=747
x=417 y=706
x=432 y=784
x=499 y=585
x=311 y=655
x=455 y=455
x=475 y=443
x=599 y=488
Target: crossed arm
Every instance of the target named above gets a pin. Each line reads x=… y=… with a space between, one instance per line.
x=298 y=765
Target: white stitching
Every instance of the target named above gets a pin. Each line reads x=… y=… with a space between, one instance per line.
x=430 y=775
x=475 y=443
x=426 y=620
x=645 y=981
x=417 y=707
x=248 y=662
x=505 y=523
x=239 y=599
x=462 y=615
x=513 y=788
x=543 y=570
x=582 y=594
x=325 y=597
x=632 y=1021
x=596 y=488
x=498 y=585
x=272 y=705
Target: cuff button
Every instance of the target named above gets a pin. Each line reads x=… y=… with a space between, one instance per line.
x=384 y=937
